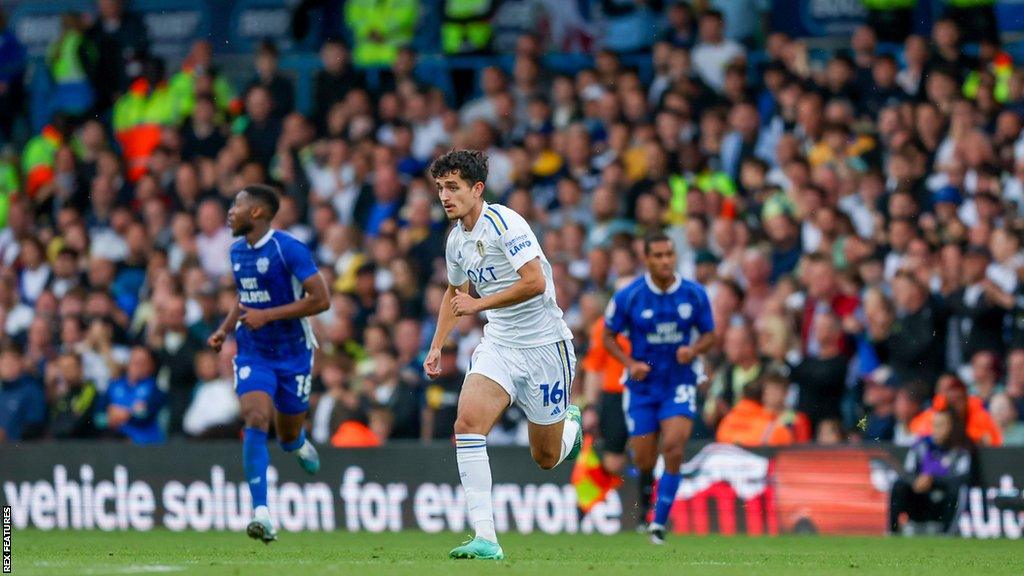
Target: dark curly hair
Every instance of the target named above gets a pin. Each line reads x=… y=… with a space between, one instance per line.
x=265 y=195
x=470 y=165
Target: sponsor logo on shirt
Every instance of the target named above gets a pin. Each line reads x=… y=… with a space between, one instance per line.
x=518 y=243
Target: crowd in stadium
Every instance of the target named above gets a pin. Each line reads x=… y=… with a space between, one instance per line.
x=857 y=220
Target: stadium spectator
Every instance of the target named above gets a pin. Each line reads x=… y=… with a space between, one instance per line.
x=73 y=399
x=134 y=402
x=750 y=424
x=442 y=397
x=269 y=76
x=22 y=400
x=774 y=395
x=1004 y=413
x=12 y=77
x=952 y=392
x=176 y=356
x=742 y=366
x=1014 y=385
x=935 y=470
x=214 y=411
x=380 y=29
x=72 y=60
x=907 y=406
x=822 y=379
x=333 y=83
x=714 y=52
x=122 y=41
x=916 y=332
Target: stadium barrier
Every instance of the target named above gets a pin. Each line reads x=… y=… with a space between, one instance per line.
x=725 y=489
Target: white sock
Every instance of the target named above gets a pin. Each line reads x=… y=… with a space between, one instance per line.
x=261 y=513
x=569 y=430
x=475 y=471
x=307 y=450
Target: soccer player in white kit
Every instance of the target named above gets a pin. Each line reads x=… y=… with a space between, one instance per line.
x=526 y=355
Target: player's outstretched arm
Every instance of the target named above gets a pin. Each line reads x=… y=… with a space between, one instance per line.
x=216 y=340
x=531 y=283
x=446 y=320
x=315 y=301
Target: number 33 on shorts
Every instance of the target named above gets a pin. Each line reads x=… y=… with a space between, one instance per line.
x=686 y=394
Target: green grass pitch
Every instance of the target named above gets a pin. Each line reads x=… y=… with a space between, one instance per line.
x=418 y=554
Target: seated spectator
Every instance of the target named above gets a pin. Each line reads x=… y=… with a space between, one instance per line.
x=952 y=392
x=134 y=402
x=1005 y=415
x=773 y=398
x=214 y=412
x=73 y=399
x=937 y=466
x=750 y=424
x=22 y=402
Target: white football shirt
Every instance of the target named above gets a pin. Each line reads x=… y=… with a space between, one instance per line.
x=489 y=256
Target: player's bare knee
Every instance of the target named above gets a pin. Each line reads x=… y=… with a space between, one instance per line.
x=545 y=458
x=673 y=458
x=255 y=418
x=645 y=462
x=468 y=425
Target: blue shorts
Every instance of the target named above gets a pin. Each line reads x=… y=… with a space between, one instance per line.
x=287 y=380
x=646 y=405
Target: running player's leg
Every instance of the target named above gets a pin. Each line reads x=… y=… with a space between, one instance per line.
x=642 y=422
x=481 y=403
x=294 y=381
x=676 y=412
x=543 y=389
x=255 y=384
x=645 y=457
x=675 y=432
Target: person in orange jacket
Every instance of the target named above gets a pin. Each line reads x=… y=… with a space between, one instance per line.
x=751 y=424
x=981 y=428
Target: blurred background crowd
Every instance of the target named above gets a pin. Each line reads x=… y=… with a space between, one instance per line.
x=855 y=212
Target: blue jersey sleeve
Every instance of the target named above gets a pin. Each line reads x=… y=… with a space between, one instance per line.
x=705 y=320
x=616 y=315
x=298 y=257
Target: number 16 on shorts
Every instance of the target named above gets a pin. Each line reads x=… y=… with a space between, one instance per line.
x=686 y=394
x=553 y=393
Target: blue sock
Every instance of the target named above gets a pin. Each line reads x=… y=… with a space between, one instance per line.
x=257 y=458
x=294 y=444
x=668 y=485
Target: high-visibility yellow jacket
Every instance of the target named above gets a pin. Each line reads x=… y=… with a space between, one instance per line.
x=380 y=28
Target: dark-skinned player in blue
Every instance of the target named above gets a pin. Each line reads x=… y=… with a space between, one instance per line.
x=660 y=313
x=279 y=287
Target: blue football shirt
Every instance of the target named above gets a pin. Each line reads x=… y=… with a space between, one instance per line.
x=269 y=274
x=657 y=323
